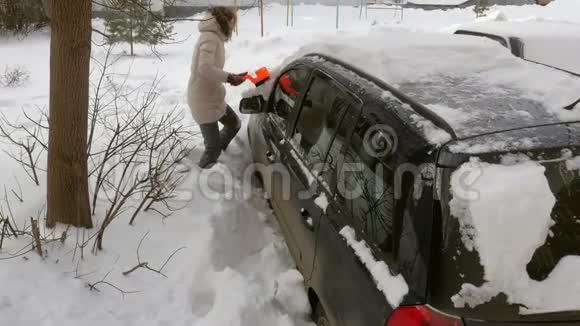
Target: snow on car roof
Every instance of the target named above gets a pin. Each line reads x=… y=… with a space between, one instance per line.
x=553 y=43
x=473 y=83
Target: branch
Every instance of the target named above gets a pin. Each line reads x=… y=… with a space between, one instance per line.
x=146 y=264
x=93 y=286
x=108 y=37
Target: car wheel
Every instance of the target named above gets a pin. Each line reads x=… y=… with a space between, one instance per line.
x=319 y=315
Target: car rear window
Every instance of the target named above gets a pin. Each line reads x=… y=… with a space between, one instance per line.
x=564 y=238
x=458 y=265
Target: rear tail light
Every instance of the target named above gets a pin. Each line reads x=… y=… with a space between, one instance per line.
x=421 y=316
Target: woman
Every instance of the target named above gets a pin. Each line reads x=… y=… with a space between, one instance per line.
x=206 y=92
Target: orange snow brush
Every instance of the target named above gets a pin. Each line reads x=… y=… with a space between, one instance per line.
x=262 y=75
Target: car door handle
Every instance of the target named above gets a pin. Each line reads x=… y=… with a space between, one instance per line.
x=270 y=157
x=307 y=219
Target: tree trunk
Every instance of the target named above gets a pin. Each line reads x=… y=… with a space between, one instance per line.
x=70 y=47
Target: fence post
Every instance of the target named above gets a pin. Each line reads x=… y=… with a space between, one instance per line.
x=337 y=12
x=262 y=17
x=236 y=11
x=292 y=12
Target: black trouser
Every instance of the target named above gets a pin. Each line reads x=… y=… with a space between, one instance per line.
x=215 y=140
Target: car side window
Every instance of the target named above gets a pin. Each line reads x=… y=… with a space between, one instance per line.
x=321 y=113
x=367 y=188
x=288 y=88
x=335 y=157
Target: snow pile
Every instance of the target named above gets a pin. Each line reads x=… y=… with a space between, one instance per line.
x=290 y=294
x=394 y=288
x=506 y=224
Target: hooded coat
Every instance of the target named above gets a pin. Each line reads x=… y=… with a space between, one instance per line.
x=206 y=92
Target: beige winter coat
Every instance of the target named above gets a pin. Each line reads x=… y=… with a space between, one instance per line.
x=206 y=92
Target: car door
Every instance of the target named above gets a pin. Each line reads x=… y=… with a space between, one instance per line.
x=321 y=110
x=278 y=123
x=364 y=201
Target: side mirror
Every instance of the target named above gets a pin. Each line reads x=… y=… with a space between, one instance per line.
x=253 y=105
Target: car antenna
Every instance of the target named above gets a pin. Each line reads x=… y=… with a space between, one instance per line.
x=571 y=106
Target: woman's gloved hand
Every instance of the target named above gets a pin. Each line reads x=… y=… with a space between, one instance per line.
x=235 y=80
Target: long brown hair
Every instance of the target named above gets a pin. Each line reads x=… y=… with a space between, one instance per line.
x=223 y=15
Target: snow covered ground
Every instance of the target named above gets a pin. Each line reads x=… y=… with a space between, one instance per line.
x=235 y=269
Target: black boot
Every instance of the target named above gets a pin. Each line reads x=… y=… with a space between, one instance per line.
x=232 y=125
x=211 y=140
x=207 y=160
x=226 y=136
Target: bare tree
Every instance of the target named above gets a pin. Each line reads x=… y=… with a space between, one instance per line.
x=67 y=179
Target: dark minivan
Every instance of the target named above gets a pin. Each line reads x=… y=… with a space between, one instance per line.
x=328 y=129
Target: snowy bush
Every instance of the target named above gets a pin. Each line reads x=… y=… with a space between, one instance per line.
x=14 y=76
x=481 y=8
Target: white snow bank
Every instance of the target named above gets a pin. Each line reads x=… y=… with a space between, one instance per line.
x=393 y=287
x=506 y=224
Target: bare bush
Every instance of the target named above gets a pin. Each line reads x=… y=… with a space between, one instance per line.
x=29 y=138
x=38 y=239
x=139 y=161
x=14 y=77
x=133 y=152
x=133 y=164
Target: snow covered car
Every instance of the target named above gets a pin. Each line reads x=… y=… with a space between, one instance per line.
x=452 y=198
x=554 y=44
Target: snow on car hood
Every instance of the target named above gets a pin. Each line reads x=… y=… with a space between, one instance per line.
x=506 y=223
